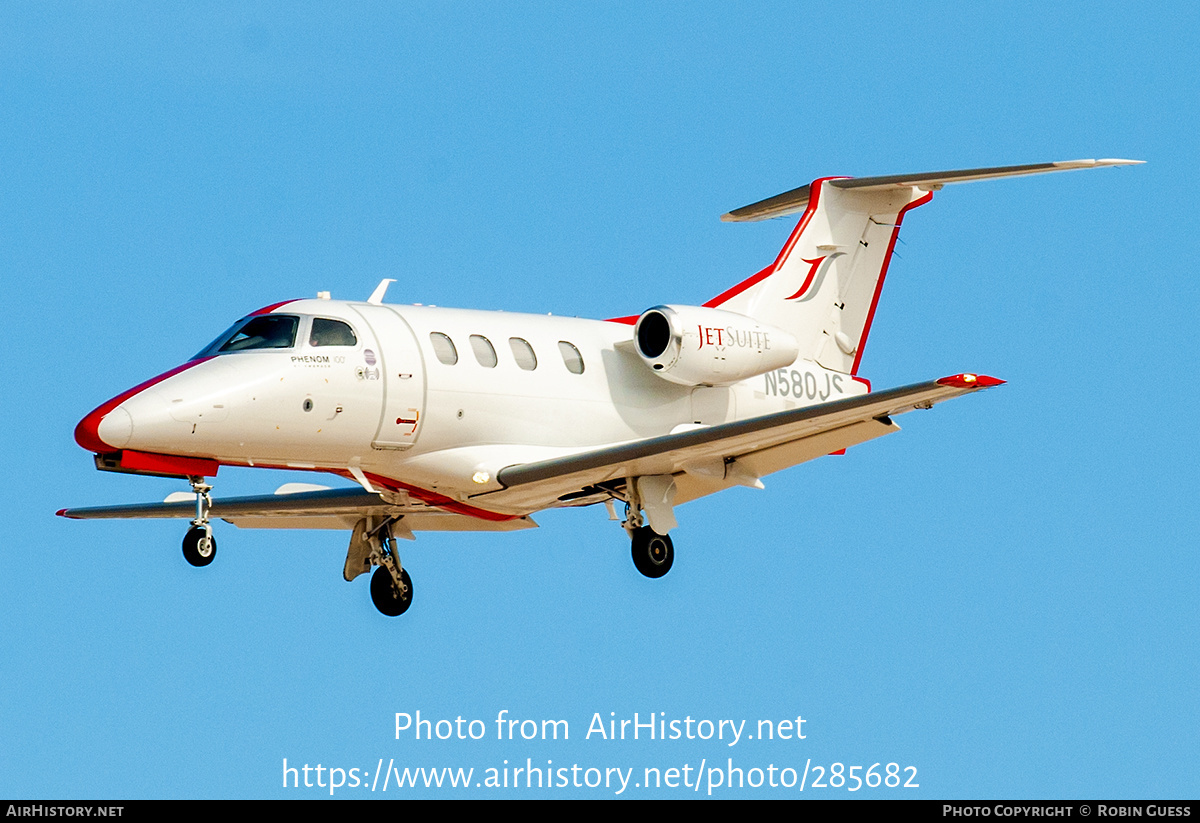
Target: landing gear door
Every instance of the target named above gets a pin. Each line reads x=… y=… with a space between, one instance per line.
x=402 y=370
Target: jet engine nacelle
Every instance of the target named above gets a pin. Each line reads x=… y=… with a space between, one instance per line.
x=697 y=346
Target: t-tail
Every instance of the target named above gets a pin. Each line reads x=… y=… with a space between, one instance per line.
x=825 y=284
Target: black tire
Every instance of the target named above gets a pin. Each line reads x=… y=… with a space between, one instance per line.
x=385 y=596
x=653 y=553
x=197 y=550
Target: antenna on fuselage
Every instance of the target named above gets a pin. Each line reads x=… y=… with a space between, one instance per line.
x=376 y=297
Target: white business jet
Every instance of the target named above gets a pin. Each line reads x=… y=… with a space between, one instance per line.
x=459 y=420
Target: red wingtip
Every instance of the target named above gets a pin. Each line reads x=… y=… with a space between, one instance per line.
x=970 y=381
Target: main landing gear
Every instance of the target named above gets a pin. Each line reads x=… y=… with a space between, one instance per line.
x=375 y=545
x=653 y=553
x=199 y=545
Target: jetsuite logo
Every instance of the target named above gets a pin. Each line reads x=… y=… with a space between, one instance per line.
x=818 y=268
x=729 y=337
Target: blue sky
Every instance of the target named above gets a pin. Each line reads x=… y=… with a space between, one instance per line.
x=1002 y=596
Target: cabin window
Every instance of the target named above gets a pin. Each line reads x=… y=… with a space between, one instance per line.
x=571 y=357
x=523 y=353
x=484 y=352
x=331 y=333
x=443 y=347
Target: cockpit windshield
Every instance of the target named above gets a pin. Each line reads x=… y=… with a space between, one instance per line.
x=264 y=331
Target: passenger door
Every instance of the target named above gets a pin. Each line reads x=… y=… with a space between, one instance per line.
x=402 y=370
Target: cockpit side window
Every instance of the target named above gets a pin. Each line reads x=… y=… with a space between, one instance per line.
x=327 y=332
x=264 y=331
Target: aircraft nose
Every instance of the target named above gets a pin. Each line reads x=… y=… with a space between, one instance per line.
x=109 y=427
x=116 y=428
x=87 y=432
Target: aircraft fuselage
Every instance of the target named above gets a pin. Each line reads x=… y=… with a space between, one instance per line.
x=435 y=399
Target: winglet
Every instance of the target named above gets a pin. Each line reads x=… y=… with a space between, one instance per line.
x=970 y=381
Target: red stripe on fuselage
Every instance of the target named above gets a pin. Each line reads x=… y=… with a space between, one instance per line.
x=272 y=307
x=434 y=499
x=168 y=464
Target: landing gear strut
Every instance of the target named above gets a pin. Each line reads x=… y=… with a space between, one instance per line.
x=199 y=545
x=391 y=587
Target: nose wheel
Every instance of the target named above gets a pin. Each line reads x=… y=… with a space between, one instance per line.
x=199 y=546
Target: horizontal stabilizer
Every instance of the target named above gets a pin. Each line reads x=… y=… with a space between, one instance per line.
x=794 y=201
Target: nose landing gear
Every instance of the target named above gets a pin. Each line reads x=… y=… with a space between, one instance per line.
x=199 y=545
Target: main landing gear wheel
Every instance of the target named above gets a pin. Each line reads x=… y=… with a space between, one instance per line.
x=387 y=598
x=653 y=553
x=199 y=546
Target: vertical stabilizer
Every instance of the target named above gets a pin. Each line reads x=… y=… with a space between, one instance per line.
x=825 y=283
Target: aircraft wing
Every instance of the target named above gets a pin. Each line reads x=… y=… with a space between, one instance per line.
x=321 y=509
x=706 y=460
